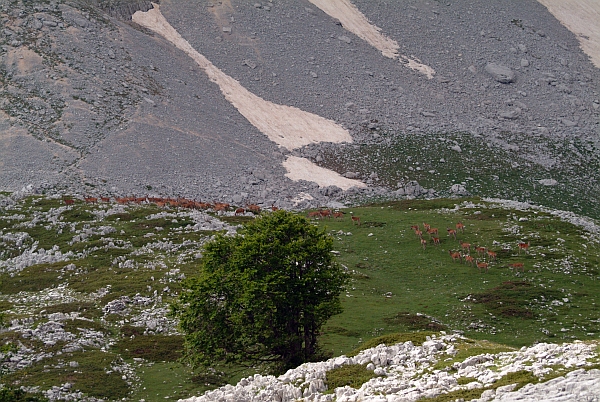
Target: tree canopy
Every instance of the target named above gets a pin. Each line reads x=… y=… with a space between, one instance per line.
x=262 y=295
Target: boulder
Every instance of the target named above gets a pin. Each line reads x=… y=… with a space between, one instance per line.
x=500 y=73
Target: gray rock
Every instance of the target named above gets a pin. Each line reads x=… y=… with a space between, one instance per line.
x=548 y=182
x=510 y=114
x=459 y=189
x=500 y=73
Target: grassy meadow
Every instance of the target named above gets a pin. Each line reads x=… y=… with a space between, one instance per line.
x=137 y=255
x=487 y=168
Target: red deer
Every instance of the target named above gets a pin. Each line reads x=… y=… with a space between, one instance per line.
x=517 y=265
x=338 y=215
x=455 y=255
x=220 y=206
x=480 y=250
x=492 y=255
x=105 y=199
x=69 y=201
x=255 y=209
x=469 y=260
x=432 y=231
x=325 y=213
x=482 y=265
x=451 y=232
x=415 y=227
x=418 y=233
x=122 y=201
x=466 y=246
x=274 y=208
x=436 y=241
x=91 y=200
x=201 y=205
x=426 y=227
x=423 y=243
x=460 y=226
x=523 y=246
x=356 y=220
x=240 y=211
x=314 y=215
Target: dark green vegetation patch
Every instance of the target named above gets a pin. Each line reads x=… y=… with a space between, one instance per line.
x=352 y=375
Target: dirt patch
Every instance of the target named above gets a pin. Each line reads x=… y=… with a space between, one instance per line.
x=582 y=17
x=287 y=126
x=415 y=322
x=356 y=22
x=303 y=169
x=23 y=61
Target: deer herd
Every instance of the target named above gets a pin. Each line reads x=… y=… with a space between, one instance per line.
x=481 y=260
x=173 y=202
x=483 y=256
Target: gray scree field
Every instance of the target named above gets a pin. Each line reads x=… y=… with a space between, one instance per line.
x=97 y=102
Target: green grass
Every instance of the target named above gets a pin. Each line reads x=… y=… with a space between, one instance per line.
x=394 y=278
x=398 y=291
x=470 y=348
x=352 y=375
x=32 y=279
x=92 y=376
x=486 y=171
x=155 y=348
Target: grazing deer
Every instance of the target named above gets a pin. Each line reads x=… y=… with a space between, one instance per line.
x=415 y=227
x=314 y=215
x=423 y=243
x=432 y=231
x=492 y=255
x=419 y=233
x=469 y=260
x=338 y=215
x=523 y=246
x=460 y=226
x=220 y=206
x=69 y=201
x=122 y=200
x=356 y=220
x=482 y=265
x=517 y=265
x=426 y=227
x=255 y=209
x=436 y=241
x=240 y=211
x=325 y=213
x=274 y=208
x=451 y=232
x=202 y=205
x=455 y=255
x=105 y=199
x=91 y=200
x=481 y=250
x=466 y=246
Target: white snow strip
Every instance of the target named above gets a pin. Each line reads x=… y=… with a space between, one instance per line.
x=287 y=126
x=582 y=17
x=303 y=169
x=354 y=21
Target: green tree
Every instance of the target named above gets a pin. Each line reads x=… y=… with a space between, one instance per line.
x=261 y=296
